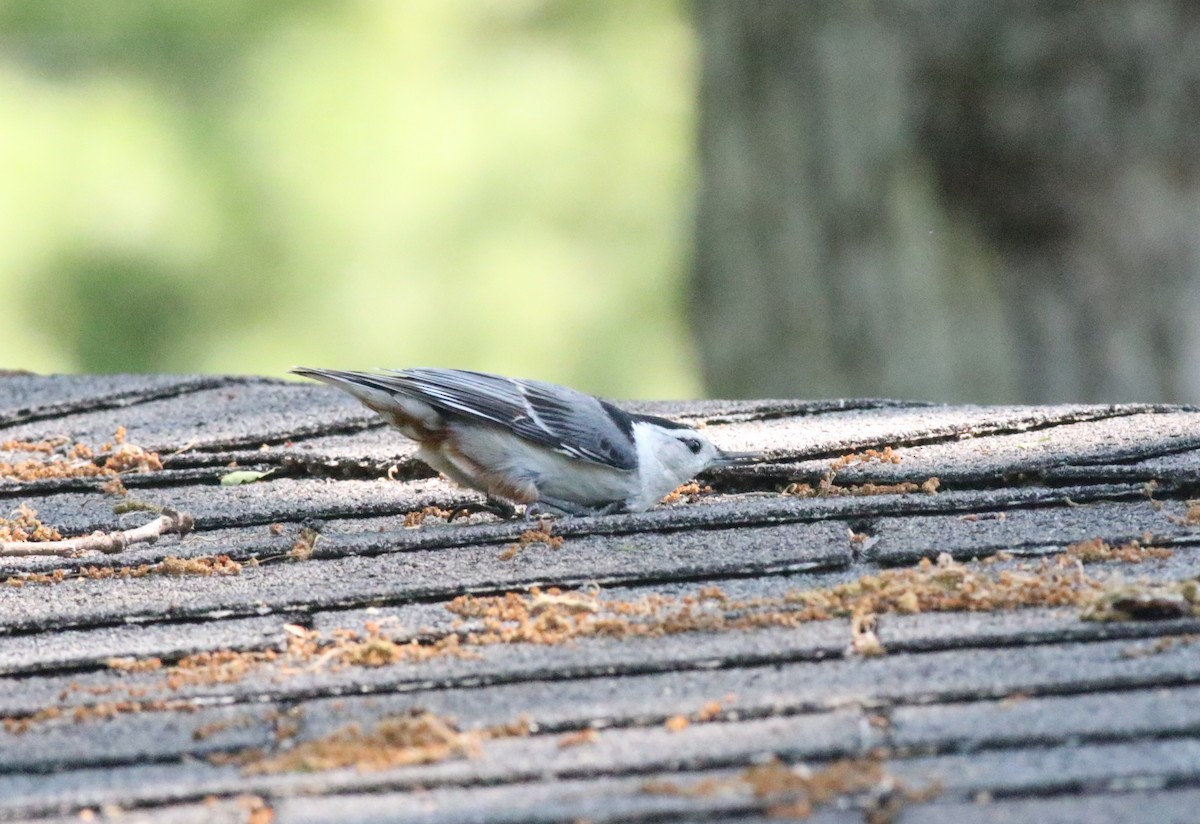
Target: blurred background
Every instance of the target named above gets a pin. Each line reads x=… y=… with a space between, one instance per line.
x=641 y=198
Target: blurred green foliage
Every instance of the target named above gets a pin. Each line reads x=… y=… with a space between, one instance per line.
x=235 y=186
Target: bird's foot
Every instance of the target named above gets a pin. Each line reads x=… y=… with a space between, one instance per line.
x=614 y=508
x=553 y=507
x=500 y=508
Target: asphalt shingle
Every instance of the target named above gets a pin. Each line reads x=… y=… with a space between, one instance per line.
x=164 y=694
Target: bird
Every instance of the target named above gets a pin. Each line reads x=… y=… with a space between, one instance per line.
x=554 y=449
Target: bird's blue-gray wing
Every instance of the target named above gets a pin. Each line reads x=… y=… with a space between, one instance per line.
x=559 y=418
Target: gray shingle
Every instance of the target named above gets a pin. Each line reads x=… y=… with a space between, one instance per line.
x=1051 y=717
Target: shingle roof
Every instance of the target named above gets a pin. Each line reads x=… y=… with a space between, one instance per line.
x=1013 y=714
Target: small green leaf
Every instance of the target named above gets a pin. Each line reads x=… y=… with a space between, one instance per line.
x=243 y=476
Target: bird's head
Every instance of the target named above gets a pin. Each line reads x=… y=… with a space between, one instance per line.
x=677 y=452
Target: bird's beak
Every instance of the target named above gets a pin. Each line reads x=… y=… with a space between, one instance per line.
x=732 y=458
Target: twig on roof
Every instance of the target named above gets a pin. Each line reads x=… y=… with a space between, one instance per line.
x=170 y=522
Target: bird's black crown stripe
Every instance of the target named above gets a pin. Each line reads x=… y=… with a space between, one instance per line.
x=663 y=422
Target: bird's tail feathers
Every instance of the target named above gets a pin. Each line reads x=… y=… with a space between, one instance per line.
x=384 y=394
x=372 y=390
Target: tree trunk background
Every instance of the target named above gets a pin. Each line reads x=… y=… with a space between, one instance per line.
x=958 y=201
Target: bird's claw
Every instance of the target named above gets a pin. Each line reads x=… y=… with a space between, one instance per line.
x=553 y=508
x=501 y=509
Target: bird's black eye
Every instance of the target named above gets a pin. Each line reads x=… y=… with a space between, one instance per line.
x=692 y=444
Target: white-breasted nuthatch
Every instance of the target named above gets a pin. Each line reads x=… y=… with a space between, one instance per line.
x=528 y=442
